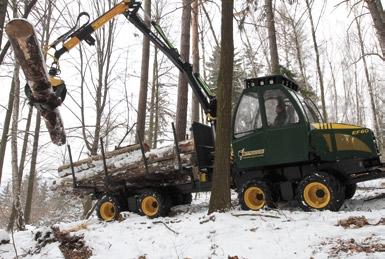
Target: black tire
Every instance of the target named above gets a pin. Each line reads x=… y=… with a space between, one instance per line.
x=255 y=195
x=350 y=190
x=153 y=204
x=108 y=208
x=320 y=191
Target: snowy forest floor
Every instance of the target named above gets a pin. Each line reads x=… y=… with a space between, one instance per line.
x=189 y=232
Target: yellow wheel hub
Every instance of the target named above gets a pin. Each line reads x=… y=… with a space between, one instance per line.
x=254 y=198
x=316 y=195
x=107 y=211
x=150 y=206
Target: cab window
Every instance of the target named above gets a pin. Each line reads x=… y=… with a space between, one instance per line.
x=280 y=111
x=308 y=107
x=248 y=116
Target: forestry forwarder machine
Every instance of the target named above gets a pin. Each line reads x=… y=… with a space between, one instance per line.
x=281 y=148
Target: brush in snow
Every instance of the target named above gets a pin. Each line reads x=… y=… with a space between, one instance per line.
x=4 y=237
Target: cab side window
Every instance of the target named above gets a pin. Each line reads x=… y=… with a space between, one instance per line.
x=280 y=111
x=248 y=117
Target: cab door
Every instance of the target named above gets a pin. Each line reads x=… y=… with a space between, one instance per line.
x=285 y=129
x=248 y=143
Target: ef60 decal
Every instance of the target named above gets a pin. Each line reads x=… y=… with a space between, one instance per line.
x=361 y=131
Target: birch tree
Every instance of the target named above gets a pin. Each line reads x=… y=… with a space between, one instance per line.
x=4 y=136
x=16 y=181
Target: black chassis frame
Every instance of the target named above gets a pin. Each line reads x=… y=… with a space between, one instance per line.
x=285 y=178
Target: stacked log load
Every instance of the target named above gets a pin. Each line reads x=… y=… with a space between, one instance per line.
x=127 y=164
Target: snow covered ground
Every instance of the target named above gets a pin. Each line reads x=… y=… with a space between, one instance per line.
x=190 y=233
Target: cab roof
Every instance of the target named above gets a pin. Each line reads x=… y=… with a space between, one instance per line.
x=271 y=80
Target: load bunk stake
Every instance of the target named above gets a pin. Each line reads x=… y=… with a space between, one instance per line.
x=176 y=147
x=180 y=168
x=75 y=183
x=106 y=179
x=72 y=167
x=143 y=153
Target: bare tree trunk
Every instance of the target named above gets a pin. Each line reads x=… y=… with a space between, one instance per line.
x=220 y=199
x=141 y=119
x=3 y=11
x=262 y=40
x=195 y=57
x=320 y=76
x=300 y=59
x=272 y=37
x=369 y=83
x=201 y=40
x=16 y=192
x=156 y=123
x=25 y=142
x=82 y=70
x=334 y=84
x=32 y=170
x=357 y=95
x=294 y=26
x=378 y=16
x=210 y=22
x=22 y=158
x=181 y=112
x=104 y=47
x=7 y=122
x=20 y=224
x=153 y=97
x=250 y=54
x=286 y=45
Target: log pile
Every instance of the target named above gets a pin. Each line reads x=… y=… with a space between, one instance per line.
x=126 y=164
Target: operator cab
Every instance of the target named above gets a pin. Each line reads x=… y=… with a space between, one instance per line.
x=271 y=123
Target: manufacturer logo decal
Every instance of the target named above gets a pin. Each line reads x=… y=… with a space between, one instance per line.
x=251 y=153
x=361 y=131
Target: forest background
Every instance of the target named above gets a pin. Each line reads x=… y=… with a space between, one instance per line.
x=103 y=81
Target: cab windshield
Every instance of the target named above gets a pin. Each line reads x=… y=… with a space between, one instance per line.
x=310 y=110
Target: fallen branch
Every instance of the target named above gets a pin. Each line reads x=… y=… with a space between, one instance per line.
x=211 y=218
x=358 y=222
x=353 y=222
x=157 y=222
x=380 y=196
x=89 y=213
x=13 y=243
x=255 y=214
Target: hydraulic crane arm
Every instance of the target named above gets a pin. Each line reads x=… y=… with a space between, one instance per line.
x=74 y=36
x=130 y=8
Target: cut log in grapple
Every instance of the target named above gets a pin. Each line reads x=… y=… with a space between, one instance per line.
x=28 y=54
